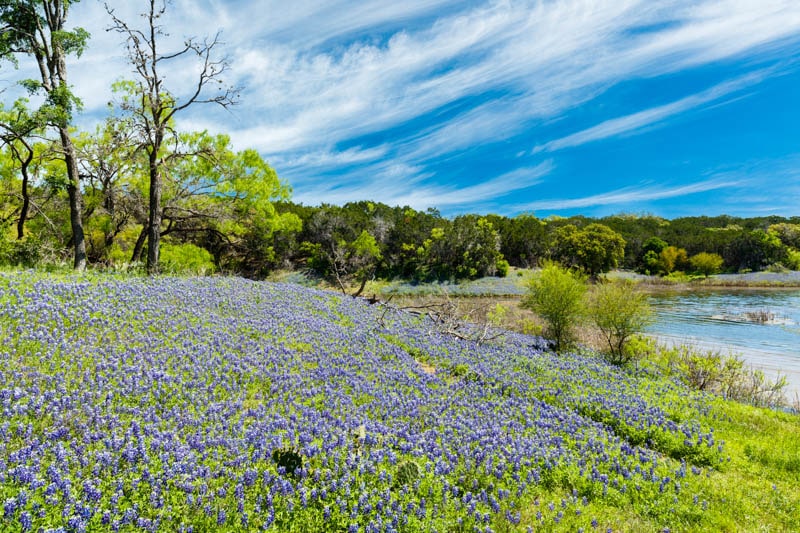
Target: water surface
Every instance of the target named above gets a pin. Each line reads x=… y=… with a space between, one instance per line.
x=725 y=319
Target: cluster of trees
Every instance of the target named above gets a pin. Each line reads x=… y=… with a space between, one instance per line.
x=371 y=239
x=658 y=246
x=117 y=191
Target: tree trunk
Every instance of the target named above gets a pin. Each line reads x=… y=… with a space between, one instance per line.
x=154 y=221
x=75 y=200
x=26 y=198
x=137 y=249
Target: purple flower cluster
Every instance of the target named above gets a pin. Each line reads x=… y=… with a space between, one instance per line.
x=156 y=405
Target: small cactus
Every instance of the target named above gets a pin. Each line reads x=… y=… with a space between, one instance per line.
x=407 y=472
x=289 y=458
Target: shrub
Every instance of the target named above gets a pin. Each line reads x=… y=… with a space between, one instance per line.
x=186 y=259
x=715 y=372
x=25 y=252
x=793 y=259
x=620 y=311
x=502 y=268
x=407 y=473
x=288 y=458
x=556 y=294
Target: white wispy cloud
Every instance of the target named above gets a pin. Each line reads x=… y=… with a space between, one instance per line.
x=632 y=195
x=399 y=184
x=654 y=115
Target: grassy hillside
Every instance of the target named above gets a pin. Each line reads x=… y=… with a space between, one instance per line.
x=223 y=404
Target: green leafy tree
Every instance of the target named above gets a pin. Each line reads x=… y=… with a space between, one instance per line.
x=789 y=234
x=152 y=107
x=594 y=249
x=651 y=252
x=706 y=263
x=218 y=197
x=111 y=169
x=620 y=311
x=671 y=259
x=468 y=248
x=523 y=239
x=37 y=29
x=556 y=294
x=755 y=250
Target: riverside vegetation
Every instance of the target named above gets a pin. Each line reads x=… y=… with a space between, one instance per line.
x=192 y=404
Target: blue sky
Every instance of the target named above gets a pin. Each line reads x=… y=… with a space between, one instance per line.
x=670 y=108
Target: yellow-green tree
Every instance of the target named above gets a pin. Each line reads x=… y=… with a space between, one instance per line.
x=706 y=263
x=557 y=296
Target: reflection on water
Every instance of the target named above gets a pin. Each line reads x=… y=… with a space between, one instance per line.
x=761 y=325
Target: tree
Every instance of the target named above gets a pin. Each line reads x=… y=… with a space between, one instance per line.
x=109 y=168
x=754 y=250
x=649 y=262
x=218 y=197
x=37 y=29
x=152 y=106
x=523 y=239
x=672 y=258
x=556 y=295
x=620 y=311
x=594 y=249
x=789 y=234
x=467 y=248
x=706 y=263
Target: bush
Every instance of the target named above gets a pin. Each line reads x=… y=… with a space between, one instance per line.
x=502 y=268
x=714 y=372
x=186 y=259
x=25 y=252
x=620 y=311
x=556 y=295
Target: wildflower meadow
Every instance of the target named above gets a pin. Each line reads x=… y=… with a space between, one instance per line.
x=221 y=404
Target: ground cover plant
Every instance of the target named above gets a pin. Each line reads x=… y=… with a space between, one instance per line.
x=166 y=404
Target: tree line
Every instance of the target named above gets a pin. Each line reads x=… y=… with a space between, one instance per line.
x=365 y=238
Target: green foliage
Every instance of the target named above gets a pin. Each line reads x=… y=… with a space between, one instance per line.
x=620 y=311
x=706 y=264
x=556 y=294
x=24 y=252
x=655 y=245
x=793 y=259
x=594 y=249
x=789 y=234
x=186 y=258
x=755 y=250
x=407 y=473
x=502 y=268
x=524 y=239
x=468 y=248
x=672 y=259
x=35 y=29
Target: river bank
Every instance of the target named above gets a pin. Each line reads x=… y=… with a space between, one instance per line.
x=758 y=280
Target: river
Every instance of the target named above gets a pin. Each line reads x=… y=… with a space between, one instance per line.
x=730 y=320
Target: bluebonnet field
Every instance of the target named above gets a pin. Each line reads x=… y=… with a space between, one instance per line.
x=222 y=404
